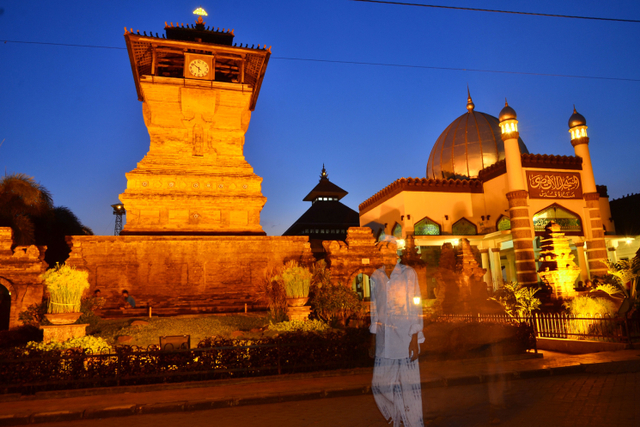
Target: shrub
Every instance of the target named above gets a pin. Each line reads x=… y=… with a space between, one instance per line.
x=584 y=306
x=275 y=295
x=88 y=342
x=65 y=286
x=299 y=325
x=518 y=300
x=336 y=303
x=609 y=289
x=34 y=314
x=87 y=307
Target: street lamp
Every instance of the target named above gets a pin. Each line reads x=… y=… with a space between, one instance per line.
x=118 y=211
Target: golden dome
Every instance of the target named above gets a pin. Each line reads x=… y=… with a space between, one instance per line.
x=507 y=113
x=469 y=144
x=576 y=119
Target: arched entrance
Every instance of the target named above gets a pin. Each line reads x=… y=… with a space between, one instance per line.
x=569 y=222
x=5 y=307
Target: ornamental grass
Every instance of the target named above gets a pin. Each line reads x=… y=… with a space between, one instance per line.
x=296 y=279
x=65 y=286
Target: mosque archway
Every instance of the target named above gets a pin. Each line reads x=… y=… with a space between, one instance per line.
x=569 y=222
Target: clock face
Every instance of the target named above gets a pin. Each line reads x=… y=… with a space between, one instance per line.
x=198 y=68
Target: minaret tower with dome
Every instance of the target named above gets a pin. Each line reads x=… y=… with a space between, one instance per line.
x=596 y=245
x=198 y=90
x=521 y=228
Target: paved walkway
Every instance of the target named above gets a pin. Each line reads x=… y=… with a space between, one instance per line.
x=204 y=396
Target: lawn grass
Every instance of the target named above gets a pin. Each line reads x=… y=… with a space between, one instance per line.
x=198 y=327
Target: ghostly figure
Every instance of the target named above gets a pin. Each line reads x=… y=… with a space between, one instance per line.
x=396 y=325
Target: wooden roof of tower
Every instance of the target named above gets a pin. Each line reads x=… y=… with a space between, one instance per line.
x=236 y=63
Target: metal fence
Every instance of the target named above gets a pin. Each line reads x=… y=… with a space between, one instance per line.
x=546 y=325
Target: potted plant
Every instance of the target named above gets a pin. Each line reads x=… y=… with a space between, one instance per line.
x=296 y=280
x=64 y=286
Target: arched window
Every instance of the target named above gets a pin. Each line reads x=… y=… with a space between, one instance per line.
x=464 y=227
x=567 y=220
x=426 y=227
x=397 y=231
x=504 y=223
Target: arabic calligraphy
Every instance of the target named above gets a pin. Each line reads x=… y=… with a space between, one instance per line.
x=544 y=185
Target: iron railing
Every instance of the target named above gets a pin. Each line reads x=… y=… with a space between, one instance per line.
x=30 y=371
x=547 y=325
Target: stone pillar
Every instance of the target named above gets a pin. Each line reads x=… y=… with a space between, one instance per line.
x=484 y=254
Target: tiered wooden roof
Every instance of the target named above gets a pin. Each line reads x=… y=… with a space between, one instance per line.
x=154 y=55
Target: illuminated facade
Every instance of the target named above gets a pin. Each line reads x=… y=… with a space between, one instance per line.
x=483 y=184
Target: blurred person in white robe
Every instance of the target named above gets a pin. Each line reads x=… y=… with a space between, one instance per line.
x=396 y=327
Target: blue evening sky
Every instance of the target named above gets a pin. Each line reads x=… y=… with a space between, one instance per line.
x=71 y=119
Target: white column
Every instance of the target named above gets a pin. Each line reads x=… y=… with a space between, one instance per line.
x=511 y=267
x=582 y=262
x=484 y=254
x=496 y=268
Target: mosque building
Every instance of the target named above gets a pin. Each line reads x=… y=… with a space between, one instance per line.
x=482 y=184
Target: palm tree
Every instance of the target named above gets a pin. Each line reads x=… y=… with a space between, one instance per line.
x=21 y=200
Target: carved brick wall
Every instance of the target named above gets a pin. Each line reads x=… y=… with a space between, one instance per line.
x=20 y=270
x=183 y=273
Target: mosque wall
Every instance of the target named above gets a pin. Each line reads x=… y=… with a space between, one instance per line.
x=184 y=273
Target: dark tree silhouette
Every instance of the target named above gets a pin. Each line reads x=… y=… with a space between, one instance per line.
x=27 y=207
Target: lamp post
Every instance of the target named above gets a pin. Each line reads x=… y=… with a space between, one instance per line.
x=118 y=211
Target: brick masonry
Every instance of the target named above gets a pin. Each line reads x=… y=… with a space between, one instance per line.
x=20 y=270
x=184 y=274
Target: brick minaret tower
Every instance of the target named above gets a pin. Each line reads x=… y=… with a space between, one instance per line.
x=521 y=227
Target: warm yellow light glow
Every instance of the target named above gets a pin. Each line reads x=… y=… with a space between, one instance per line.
x=200 y=11
x=578 y=132
x=629 y=241
x=509 y=126
x=400 y=243
x=455 y=242
x=416 y=300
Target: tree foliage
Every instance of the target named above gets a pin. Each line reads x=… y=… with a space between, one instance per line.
x=27 y=207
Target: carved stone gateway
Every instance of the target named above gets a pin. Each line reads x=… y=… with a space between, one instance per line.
x=20 y=270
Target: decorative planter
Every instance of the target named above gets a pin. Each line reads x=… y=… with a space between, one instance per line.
x=297 y=302
x=62 y=318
